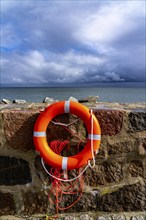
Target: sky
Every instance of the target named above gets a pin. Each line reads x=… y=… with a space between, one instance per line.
x=48 y=42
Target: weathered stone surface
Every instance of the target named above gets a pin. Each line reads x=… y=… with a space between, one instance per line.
x=136 y=168
x=40 y=172
x=138 y=217
x=80 y=216
x=101 y=218
x=19 y=101
x=123 y=147
x=103 y=174
x=78 y=128
x=71 y=218
x=49 y=100
x=142 y=147
x=120 y=156
x=1 y=122
x=113 y=172
x=18 y=128
x=7 y=206
x=128 y=198
x=5 y=101
x=110 y=121
x=86 y=203
x=95 y=177
x=89 y=99
x=73 y=99
x=2 y=138
x=14 y=171
x=58 y=132
x=119 y=217
x=137 y=121
x=35 y=203
x=85 y=217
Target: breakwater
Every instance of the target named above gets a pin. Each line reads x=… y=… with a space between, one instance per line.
x=114 y=189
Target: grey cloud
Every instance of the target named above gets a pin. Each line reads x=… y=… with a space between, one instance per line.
x=47 y=42
x=69 y=67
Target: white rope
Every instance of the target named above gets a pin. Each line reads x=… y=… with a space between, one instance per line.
x=66 y=125
x=63 y=180
x=92 y=148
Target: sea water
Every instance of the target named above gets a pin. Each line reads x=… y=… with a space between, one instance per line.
x=107 y=92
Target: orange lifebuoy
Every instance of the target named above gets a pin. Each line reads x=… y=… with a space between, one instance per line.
x=40 y=141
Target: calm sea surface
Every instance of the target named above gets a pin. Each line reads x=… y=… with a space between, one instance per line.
x=107 y=92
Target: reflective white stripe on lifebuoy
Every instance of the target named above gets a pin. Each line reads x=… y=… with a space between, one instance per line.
x=64 y=163
x=94 y=136
x=67 y=107
x=39 y=134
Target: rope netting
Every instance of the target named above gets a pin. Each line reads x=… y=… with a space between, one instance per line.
x=61 y=185
x=59 y=188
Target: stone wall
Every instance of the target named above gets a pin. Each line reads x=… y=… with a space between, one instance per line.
x=117 y=184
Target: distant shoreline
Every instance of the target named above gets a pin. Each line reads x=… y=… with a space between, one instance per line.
x=81 y=85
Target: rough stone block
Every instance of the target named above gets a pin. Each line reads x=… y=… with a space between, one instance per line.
x=138 y=217
x=136 y=168
x=35 y=203
x=142 y=147
x=40 y=172
x=14 y=171
x=1 y=121
x=103 y=174
x=2 y=138
x=137 y=121
x=119 y=217
x=7 y=206
x=85 y=217
x=70 y=218
x=86 y=203
x=129 y=198
x=104 y=218
x=110 y=121
x=123 y=147
x=18 y=128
